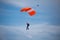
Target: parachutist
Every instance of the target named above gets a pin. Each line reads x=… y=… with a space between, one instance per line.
x=27 y=28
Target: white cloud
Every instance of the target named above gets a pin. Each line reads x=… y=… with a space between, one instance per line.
x=25 y=3
x=39 y=29
x=20 y=3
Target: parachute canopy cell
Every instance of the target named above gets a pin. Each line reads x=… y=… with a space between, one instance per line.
x=30 y=11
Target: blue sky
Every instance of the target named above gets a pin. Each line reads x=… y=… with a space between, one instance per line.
x=48 y=11
x=47 y=15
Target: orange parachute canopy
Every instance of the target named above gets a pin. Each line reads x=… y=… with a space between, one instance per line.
x=30 y=11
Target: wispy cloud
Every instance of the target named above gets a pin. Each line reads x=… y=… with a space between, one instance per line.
x=38 y=30
x=25 y=3
x=20 y=3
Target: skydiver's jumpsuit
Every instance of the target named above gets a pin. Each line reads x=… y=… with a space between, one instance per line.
x=27 y=28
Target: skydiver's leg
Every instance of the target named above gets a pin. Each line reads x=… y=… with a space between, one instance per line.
x=27 y=28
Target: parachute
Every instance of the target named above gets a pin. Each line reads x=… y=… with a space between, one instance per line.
x=30 y=11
